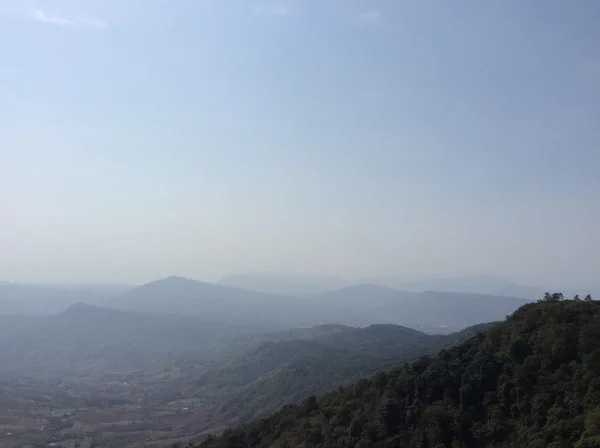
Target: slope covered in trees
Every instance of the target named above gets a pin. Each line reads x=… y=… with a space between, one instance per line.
x=532 y=381
x=277 y=373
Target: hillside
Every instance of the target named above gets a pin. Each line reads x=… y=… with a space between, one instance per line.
x=287 y=371
x=532 y=381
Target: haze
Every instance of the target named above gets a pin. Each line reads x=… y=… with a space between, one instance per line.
x=354 y=138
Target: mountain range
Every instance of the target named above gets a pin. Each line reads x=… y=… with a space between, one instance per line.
x=186 y=358
x=359 y=305
x=179 y=316
x=22 y=298
x=304 y=285
x=307 y=285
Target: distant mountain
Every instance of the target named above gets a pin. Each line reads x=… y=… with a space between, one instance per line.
x=91 y=340
x=480 y=284
x=180 y=295
x=303 y=285
x=94 y=340
x=306 y=285
x=531 y=381
x=285 y=284
x=429 y=311
x=476 y=284
x=359 y=305
x=24 y=298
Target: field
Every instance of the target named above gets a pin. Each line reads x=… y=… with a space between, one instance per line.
x=118 y=410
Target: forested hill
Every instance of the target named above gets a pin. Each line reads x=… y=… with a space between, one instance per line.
x=264 y=379
x=532 y=381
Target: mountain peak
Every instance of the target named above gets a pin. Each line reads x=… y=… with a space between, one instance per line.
x=175 y=280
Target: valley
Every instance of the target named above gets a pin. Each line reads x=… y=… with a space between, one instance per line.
x=114 y=410
x=179 y=400
x=98 y=376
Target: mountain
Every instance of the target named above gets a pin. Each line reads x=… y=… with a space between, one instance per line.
x=178 y=295
x=92 y=340
x=429 y=311
x=304 y=285
x=360 y=305
x=531 y=381
x=24 y=298
x=87 y=339
x=477 y=284
x=285 y=284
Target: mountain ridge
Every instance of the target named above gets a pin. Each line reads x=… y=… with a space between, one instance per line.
x=359 y=305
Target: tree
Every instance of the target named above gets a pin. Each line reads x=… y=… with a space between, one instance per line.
x=555 y=297
x=588 y=298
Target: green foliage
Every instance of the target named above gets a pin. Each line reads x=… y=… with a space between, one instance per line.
x=282 y=372
x=533 y=381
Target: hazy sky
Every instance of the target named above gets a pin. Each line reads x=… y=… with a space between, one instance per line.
x=140 y=139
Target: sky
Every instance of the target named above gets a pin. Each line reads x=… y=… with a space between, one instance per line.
x=144 y=138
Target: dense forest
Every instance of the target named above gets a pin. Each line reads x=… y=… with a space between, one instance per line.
x=276 y=373
x=532 y=381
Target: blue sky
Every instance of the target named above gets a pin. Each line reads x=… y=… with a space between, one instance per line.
x=145 y=138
